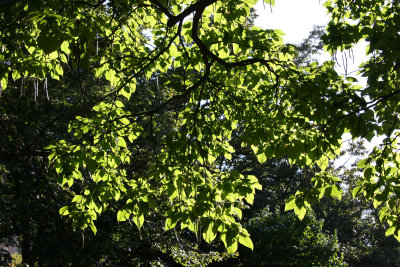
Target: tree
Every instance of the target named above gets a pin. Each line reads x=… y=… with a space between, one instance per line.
x=31 y=197
x=310 y=46
x=376 y=23
x=232 y=80
x=355 y=221
x=282 y=239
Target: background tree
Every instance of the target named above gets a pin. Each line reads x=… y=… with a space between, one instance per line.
x=361 y=237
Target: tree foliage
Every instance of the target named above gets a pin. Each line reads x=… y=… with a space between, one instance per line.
x=282 y=239
x=375 y=22
x=228 y=80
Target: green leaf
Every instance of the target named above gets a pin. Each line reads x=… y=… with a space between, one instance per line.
x=279 y=32
x=48 y=42
x=368 y=173
x=246 y=241
x=65 y=47
x=300 y=212
x=119 y=104
x=3 y=83
x=290 y=203
x=123 y=215
x=138 y=220
x=250 y=198
x=390 y=231
x=336 y=179
x=376 y=203
x=257 y=186
x=93 y=227
x=187 y=25
x=211 y=158
x=124 y=121
x=235 y=48
x=232 y=248
x=356 y=191
x=173 y=51
x=383 y=213
x=351 y=79
x=115 y=193
x=362 y=163
x=336 y=192
x=261 y=158
x=170 y=224
x=210 y=233
x=121 y=142
x=126 y=92
x=16 y=75
x=78 y=199
x=64 y=211
x=111 y=76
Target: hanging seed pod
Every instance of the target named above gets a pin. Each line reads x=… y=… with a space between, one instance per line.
x=36 y=88
x=45 y=88
x=22 y=91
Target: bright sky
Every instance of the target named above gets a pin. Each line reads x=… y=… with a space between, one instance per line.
x=296 y=19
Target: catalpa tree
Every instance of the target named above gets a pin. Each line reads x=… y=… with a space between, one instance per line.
x=219 y=77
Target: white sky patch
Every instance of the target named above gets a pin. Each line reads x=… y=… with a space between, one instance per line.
x=294 y=17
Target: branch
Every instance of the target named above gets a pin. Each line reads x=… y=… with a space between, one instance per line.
x=207 y=52
x=199 y=7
